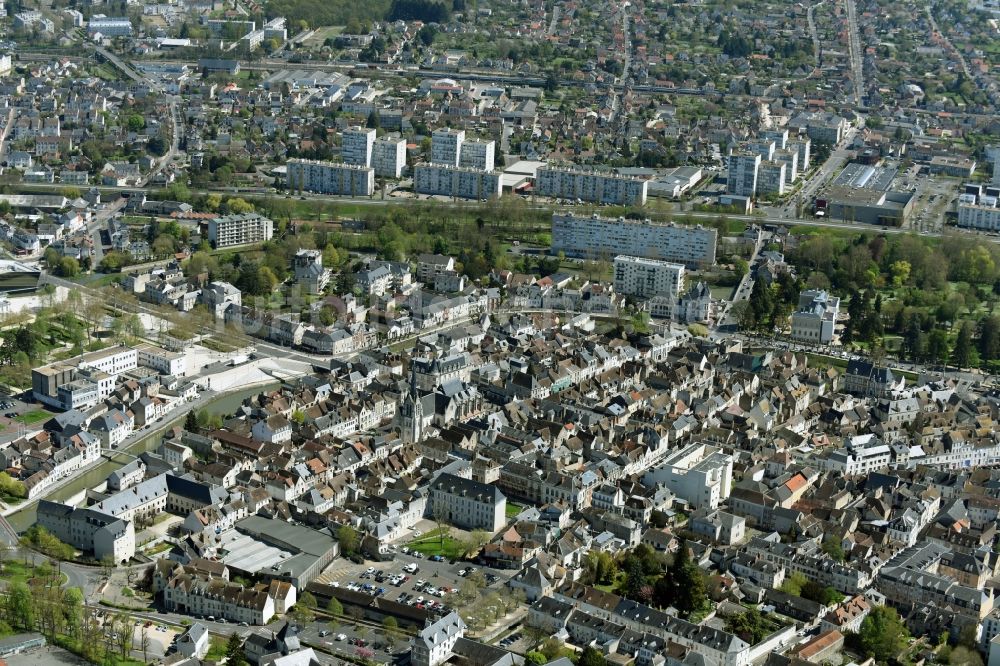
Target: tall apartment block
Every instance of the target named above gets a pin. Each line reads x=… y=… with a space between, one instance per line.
x=330 y=178
x=233 y=230
x=742 y=176
x=771 y=177
x=455 y=181
x=803 y=146
x=600 y=237
x=645 y=278
x=446 y=146
x=763 y=147
x=356 y=146
x=590 y=186
x=779 y=137
x=389 y=157
x=477 y=155
x=790 y=158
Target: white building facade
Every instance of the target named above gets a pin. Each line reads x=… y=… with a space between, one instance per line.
x=591 y=186
x=645 y=278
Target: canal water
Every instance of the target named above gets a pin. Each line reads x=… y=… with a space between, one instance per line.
x=224 y=404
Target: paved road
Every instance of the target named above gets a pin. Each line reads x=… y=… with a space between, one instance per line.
x=951 y=47
x=811 y=22
x=854 y=51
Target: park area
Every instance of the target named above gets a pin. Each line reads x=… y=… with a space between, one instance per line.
x=439 y=542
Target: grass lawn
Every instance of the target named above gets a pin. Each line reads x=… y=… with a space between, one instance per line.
x=513 y=509
x=610 y=587
x=431 y=544
x=216 y=649
x=216 y=345
x=15 y=571
x=158 y=548
x=34 y=416
x=102 y=280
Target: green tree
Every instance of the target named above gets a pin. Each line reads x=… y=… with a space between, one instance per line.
x=11 y=487
x=19 y=608
x=68 y=267
x=536 y=658
x=961 y=355
x=964 y=656
x=989 y=338
x=900 y=271
x=937 y=346
x=73 y=607
x=238 y=206
x=552 y=648
x=135 y=123
x=750 y=626
x=234 y=651
x=348 y=538
x=390 y=626
x=833 y=548
x=882 y=634
x=793 y=584
x=334 y=607
x=689 y=583
x=591 y=657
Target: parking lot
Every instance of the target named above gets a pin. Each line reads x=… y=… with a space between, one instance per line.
x=160 y=636
x=345 y=638
x=19 y=417
x=416 y=580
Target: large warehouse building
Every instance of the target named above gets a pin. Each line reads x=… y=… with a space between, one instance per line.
x=863 y=193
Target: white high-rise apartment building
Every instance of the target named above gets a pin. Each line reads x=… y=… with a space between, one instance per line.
x=596 y=237
x=330 y=178
x=771 y=177
x=804 y=147
x=478 y=155
x=389 y=157
x=446 y=146
x=591 y=186
x=645 y=278
x=356 y=146
x=981 y=212
x=742 y=178
x=455 y=181
x=239 y=230
x=790 y=158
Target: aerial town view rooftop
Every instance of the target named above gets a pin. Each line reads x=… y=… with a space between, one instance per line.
x=500 y=333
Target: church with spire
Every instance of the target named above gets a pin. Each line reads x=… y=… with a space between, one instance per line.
x=416 y=414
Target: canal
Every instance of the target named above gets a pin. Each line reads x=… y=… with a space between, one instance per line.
x=224 y=404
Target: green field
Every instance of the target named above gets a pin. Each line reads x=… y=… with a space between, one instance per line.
x=432 y=544
x=318 y=38
x=34 y=416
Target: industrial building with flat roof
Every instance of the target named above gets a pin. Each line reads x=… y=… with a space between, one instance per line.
x=276 y=549
x=863 y=193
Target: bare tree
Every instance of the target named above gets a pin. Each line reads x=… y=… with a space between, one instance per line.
x=145 y=643
x=122 y=631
